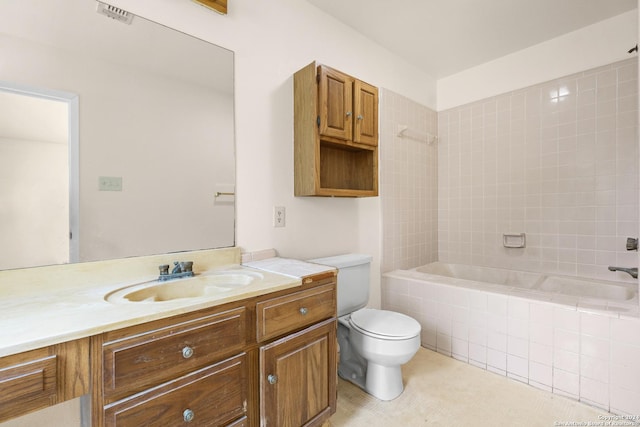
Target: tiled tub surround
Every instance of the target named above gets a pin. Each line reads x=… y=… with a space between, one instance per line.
x=408 y=183
x=556 y=160
x=556 y=343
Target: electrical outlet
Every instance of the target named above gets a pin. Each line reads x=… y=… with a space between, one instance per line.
x=279 y=216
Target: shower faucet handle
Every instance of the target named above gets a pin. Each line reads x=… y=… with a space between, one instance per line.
x=632 y=244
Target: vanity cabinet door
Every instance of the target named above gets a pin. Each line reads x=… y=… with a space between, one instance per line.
x=212 y=396
x=298 y=378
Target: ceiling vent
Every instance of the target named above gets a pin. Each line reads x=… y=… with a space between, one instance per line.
x=114 y=13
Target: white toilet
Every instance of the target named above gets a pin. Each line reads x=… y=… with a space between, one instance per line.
x=373 y=343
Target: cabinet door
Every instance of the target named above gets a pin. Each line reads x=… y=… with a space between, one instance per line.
x=336 y=104
x=366 y=113
x=298 y=378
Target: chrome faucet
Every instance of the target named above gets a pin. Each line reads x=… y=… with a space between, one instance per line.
x=633 y=272
x=180 y=269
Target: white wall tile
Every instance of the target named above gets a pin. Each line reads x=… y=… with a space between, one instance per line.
x=574 y=136
x=497 y=360
x=569 y=341
x=497 y=341
x=624 y=402
x=594 y=392
x=541 y=353
x=595 y=347
x=518 y=347
x=566 y=360
x=566 y=383
x=566 y=319
x=595 y=325
x=593 y=368
x=625 y=330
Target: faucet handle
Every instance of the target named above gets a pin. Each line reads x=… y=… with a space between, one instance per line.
x=164 y=269
x=632 y=244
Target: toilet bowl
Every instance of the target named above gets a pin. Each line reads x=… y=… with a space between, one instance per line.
x=374 y=344
x=386 y=340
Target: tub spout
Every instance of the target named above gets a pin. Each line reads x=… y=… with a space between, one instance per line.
x=633 y=272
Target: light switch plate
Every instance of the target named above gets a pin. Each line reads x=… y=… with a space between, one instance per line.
x=110 y=183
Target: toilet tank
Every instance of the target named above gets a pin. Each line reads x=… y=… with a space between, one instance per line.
x=353 y=280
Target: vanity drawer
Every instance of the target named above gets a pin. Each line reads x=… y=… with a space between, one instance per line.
x=28 y=386
x=152 y=357
x=43 y=377
x=214 y=396
x=288 y=313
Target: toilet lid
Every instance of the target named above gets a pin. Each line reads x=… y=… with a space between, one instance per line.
x=386 y=324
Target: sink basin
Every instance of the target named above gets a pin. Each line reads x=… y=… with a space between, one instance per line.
x=203 y=285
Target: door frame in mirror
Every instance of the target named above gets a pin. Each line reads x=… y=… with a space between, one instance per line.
x=73 y=115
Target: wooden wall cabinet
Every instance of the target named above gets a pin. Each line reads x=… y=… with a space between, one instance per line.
x=335 y=134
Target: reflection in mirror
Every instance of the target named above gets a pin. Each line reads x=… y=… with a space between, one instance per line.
x=147 y=141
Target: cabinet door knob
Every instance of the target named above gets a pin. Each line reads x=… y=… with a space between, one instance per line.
x=360 y=117
x=272 y=379
x=187 y=352
x=349 y=113
x=304 y=311
x=188 y=415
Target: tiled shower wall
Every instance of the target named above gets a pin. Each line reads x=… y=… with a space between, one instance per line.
x=557 y=161
x=408 y=182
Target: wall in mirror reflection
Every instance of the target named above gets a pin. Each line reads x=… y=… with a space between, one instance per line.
x=127 y=129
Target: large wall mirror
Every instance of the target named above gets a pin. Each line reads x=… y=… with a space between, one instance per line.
x=116 y=138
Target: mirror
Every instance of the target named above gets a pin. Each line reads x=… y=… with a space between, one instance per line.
x=148 y=163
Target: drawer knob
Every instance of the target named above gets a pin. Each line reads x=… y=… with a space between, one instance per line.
x=187 y=352
x=304 y=311
x=272 y=379
x=188 y=415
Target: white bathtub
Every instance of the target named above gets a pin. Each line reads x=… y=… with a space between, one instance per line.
x=562 y=289
x=576 y=337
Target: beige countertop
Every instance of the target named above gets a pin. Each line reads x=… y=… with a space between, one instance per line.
x=292 y=267
x=49 y=305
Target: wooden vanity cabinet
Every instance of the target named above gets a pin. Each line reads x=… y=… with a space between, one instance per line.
x=335 y=134
x=298 y=370
x=264 y=361
x=44 y=377
x=189 y=369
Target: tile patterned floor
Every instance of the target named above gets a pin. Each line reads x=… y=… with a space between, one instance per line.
x=441 y=391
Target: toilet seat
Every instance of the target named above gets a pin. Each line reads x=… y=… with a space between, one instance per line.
x=383 y=324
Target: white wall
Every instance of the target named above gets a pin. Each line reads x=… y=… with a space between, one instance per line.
x=598 y=44
x=33 y=213
x=271 y=41
x=140 y=219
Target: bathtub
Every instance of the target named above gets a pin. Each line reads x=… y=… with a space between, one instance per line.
x=567 y=335
x=601 y=294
